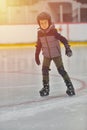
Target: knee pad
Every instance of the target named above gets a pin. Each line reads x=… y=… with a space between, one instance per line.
x=45 y=70
x=61 y=71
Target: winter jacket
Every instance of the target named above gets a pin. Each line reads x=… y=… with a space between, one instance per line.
x=48 y=41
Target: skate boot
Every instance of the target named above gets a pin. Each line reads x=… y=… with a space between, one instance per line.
x=45 y=90
x=70 y=89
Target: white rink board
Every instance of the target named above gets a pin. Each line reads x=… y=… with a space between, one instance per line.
x=28 y=33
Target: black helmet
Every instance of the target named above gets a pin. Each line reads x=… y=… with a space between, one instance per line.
x=42 y=16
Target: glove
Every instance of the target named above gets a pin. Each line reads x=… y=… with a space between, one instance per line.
x=68 y=52
x=37 y=59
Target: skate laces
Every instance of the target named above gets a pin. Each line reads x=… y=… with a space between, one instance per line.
x=70 y=86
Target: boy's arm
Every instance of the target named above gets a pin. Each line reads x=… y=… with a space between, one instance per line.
x=65 y=42
x=37 y=52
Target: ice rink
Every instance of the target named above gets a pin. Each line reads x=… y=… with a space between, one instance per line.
x=21 y=107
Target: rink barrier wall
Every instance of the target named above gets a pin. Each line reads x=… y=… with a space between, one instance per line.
x=24 y=45
x=27 y=34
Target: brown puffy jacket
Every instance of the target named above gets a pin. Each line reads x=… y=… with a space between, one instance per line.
x=48 y=41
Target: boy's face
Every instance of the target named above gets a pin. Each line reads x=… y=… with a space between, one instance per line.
x=44 y=24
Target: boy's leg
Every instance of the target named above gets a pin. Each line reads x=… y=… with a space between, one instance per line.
x=45 y=74
x=59 y=64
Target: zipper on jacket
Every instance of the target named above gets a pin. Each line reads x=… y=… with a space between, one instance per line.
x=47 y=44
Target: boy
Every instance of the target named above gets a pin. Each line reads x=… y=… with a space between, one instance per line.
x=48 y=41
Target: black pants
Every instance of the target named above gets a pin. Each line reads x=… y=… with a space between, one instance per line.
x=59 y=65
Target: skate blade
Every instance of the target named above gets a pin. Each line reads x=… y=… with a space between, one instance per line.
x=70 y=93
x=43 y=94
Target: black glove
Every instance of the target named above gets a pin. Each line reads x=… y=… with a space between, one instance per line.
x=37 y=59
x=68 y=52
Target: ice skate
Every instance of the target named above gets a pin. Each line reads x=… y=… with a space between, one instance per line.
x=70 y=89
x=45 y=90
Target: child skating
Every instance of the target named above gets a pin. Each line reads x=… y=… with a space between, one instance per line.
x=48 y=42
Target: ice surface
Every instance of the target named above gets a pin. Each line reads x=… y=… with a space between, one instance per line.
x=21 y=107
